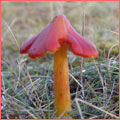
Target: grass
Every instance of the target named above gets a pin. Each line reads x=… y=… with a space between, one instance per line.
x=27 y=85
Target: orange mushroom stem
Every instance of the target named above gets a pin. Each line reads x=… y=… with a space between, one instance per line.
x=61 y=82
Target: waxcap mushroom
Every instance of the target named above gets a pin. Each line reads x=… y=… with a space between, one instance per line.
x=57 y=37
x=58 y=31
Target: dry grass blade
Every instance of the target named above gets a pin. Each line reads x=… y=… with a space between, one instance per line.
x=79 y=109
x=108 y=57
x=75 y=79
x=10 y=26
x=51 y=11
x=102 y=110
x=17 y=104
x=117 y=33
x=111 y=93
x=82 y=59
x=59 y=7
x=37 y=99
x=11 y=33
x=103 y=81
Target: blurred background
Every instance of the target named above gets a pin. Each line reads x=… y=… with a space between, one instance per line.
x=27 y=85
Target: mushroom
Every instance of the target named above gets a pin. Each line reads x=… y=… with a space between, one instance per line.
x=57 y=37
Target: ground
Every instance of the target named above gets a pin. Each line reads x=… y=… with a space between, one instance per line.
x=27 y=85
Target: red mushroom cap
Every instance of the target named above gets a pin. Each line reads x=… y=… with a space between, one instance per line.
x=58 y=31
